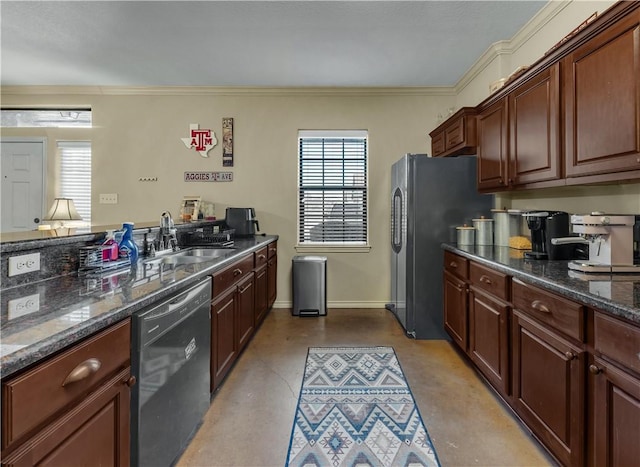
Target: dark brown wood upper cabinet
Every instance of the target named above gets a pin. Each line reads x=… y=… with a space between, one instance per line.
x=534 y=129
x=602 y=103
x=456 y=136
x=493 y=150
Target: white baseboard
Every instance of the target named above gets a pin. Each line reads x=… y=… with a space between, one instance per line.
x=376 y=305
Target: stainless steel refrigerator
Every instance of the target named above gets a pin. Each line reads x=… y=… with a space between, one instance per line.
x=429 y=198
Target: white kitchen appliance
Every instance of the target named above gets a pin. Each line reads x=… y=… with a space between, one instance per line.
x=610 y=238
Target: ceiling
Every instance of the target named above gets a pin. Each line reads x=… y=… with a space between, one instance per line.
x=251 y=43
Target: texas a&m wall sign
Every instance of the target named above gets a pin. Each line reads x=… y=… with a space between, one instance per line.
x=208 y=176
x=201 y=140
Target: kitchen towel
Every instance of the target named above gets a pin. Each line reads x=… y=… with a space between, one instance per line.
x=356 y=408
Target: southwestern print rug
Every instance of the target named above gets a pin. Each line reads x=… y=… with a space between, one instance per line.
x=356 y=409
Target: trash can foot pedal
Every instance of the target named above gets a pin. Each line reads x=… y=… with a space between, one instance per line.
x=309 y=312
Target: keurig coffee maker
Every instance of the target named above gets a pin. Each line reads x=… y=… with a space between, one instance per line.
x=537 y=223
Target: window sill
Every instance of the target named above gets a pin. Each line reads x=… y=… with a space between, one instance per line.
x=333 y=248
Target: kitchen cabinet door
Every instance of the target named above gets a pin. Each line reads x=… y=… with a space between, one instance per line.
x=549 y=387
x=493 y=151
x=602 y=103
x=455 y=309
x=534 y=129
x=224 y=349
x=245 y=305
x=261 y=295
x=489 y=338
x=272 y=281
x=615 y=415
x=94 y=432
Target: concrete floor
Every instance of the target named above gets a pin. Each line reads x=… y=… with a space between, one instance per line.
x=251 y=415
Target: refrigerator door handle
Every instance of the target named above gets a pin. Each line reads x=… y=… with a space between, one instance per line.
x=396 y=220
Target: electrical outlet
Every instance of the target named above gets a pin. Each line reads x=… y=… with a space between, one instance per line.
x=24 y=306
x=108 y=198
x=23 y=264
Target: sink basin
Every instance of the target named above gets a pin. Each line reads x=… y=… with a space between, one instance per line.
x=206 y=252
x=191 y=256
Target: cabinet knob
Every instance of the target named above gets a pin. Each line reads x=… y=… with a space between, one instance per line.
x=82 y=371
x=131 y=381
x=570 y=355
x=594 y=370
x=539 y=306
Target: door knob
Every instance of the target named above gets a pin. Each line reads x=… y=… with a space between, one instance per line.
x=36 y=220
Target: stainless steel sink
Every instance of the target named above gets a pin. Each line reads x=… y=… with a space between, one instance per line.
x=206 y=252
x=191 y=256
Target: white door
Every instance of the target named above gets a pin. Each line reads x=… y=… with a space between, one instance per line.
x=22 y=173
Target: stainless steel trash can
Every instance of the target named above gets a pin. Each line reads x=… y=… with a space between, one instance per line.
x=309 y=286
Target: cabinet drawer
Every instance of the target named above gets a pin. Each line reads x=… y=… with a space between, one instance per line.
x=35 y=396
x=273 y=249
x=456 y=265
x=261 y=256
x=227 y=277
x=617 y=340
x=564 y=315
x=493 y=282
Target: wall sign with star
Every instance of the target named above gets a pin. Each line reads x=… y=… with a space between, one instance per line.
x=201 y=140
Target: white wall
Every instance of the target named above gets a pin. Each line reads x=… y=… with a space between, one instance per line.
x=137 y=135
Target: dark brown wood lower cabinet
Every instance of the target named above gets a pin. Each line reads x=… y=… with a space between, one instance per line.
x=455 y=309
x=489 y=338
x=245 y=303
x=261 y=295
x=548 y=387
x=95 y=432
x=616 y=415
x=224 y=350
x=272 y=280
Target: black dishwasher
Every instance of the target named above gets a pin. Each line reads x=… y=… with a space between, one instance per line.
x=171 y=348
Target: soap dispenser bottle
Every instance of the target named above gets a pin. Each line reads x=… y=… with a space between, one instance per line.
x=127 y=247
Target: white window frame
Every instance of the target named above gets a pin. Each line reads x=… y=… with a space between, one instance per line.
x=83 y=201
x=309 y=246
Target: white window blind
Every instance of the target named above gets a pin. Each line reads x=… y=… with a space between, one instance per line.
x=332 y=187
x=75 y=175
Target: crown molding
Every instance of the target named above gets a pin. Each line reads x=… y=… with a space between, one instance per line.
x=226 y=91
x=507 y=47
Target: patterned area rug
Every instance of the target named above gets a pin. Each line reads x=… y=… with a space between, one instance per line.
x=356 y=409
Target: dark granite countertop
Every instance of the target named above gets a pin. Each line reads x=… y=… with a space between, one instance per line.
x=73 y=307
x=618 y=294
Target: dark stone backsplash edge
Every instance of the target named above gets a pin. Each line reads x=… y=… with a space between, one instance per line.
x=553 y=276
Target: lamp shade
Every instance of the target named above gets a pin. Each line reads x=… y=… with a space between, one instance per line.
x=63 y=209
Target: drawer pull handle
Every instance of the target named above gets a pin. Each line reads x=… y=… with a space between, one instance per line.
x=237 y=272
x=453 y=264
x=273 y=249
x=570 y=355
x=594 y=370
x=485 y=279
x=261 y=256
x=538 y=305
x=82 y=371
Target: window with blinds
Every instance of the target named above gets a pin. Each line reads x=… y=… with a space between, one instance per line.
x=75 y=175
x=332 y=187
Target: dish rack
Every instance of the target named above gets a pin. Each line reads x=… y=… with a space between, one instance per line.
x=209 y=237
x=90 y=260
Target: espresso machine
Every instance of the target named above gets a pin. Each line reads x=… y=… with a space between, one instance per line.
x=611 y=242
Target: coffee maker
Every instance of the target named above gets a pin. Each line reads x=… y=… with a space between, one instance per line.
x=537 y=223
